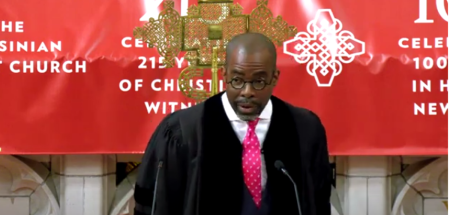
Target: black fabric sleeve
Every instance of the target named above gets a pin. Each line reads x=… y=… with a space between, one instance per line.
x=163 y=153
x=321 y=170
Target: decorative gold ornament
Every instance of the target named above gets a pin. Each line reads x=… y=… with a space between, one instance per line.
x=204 y=34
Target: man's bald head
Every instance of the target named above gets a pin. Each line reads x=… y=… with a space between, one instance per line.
x=250 y=73
x=251 y=43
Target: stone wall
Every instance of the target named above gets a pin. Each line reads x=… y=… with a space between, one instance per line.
x=86 y=185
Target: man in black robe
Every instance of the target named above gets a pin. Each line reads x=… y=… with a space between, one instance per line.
x=199 y=159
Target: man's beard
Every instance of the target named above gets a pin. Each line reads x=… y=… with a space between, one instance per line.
x=250 y=116
x=246 y=117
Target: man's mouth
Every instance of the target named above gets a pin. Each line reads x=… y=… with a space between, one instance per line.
x=246 y=108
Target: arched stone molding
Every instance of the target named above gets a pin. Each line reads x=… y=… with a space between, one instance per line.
x=123 y=200
x=26 y=187
x=425 y=191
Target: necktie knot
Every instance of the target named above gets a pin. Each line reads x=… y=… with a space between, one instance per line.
x=252 y=124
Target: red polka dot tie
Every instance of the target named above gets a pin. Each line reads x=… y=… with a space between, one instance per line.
x=251 y=162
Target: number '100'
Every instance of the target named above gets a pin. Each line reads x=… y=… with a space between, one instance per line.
x=429 y=63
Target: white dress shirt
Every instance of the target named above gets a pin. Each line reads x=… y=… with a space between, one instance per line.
x=240 y=128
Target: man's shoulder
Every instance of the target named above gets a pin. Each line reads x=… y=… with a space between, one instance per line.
x=309 y=127
x=303 y=114
x=185 y=118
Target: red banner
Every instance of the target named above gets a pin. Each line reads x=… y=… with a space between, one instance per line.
x=74 y=80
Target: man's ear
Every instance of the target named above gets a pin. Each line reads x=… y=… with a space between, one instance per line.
x=224 y=72
x=276 y=76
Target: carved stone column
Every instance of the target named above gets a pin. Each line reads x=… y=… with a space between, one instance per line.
x=363 y=184
x=86 y=183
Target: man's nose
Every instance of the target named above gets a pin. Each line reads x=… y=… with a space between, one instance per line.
x=247 y=91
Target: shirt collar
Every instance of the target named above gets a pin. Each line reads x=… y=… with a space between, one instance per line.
x=266 y=114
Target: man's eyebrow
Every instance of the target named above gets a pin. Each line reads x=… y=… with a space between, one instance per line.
x=259 y=73
x=237 y=72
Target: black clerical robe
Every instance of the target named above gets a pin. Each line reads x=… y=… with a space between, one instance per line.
x=196 y=158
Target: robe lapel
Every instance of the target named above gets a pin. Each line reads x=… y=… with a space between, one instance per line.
x=282 y=143
x=221 y=163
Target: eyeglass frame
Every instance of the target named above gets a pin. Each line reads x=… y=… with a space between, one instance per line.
x=251 y=83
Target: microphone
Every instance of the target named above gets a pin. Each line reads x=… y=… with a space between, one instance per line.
x=280 y=166
x=160 y=164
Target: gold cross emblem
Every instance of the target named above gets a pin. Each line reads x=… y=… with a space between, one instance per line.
x=204 y=34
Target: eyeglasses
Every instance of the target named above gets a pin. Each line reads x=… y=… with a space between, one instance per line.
x=239 y=83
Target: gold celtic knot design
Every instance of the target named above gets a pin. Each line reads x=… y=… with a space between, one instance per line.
x=164 y=33
x=204 y=34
